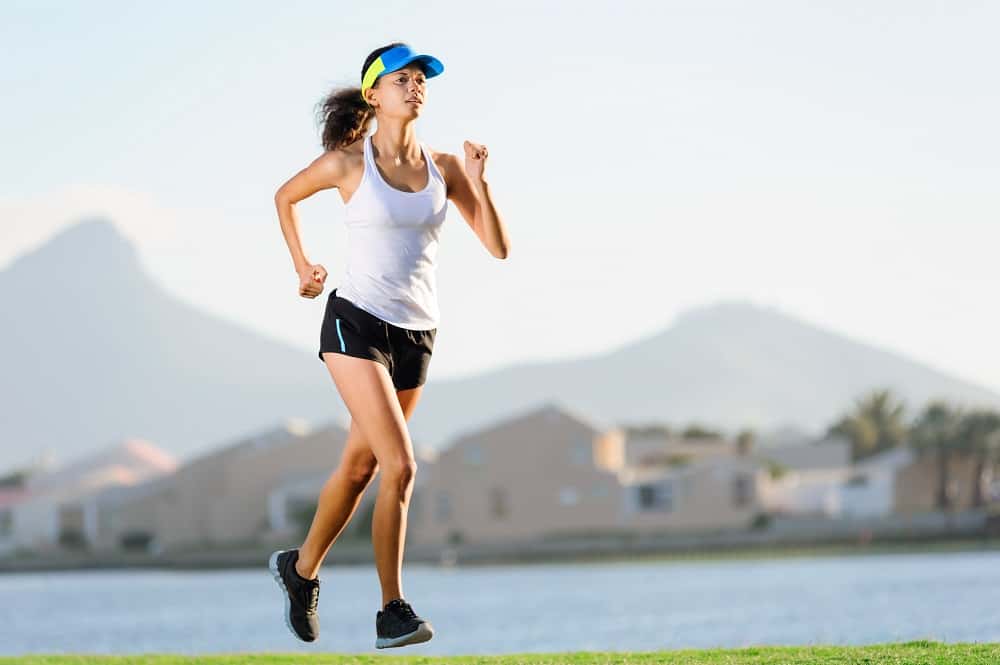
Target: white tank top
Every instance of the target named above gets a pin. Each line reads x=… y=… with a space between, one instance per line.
x=392 y=241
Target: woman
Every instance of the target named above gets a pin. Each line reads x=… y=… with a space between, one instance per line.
x=378 y=331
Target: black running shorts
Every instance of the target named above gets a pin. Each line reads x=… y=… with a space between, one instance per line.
x=353 y=331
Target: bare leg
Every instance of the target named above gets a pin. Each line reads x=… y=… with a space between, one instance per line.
x=341 y=494
x=367 y=390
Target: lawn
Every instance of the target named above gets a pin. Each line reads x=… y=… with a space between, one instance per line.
x=921 y=652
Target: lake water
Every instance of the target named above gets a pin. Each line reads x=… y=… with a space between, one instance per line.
x=859 y=599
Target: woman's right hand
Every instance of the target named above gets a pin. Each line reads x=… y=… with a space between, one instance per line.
x=311 y=279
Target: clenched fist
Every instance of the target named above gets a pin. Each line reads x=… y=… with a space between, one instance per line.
x=475 y=159
x=311 y=279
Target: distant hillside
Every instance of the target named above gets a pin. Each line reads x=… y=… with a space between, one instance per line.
x=93 y=351
x=98 y=352
x=726 y=365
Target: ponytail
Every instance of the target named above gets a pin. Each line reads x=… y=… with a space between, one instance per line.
x=346 y=117
x=345 y=114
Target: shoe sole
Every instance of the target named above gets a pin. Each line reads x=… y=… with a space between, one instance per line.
x=272 y=564
x=423 y=633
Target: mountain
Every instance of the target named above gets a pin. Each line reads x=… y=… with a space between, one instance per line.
x=726 y=366
x=93 y=351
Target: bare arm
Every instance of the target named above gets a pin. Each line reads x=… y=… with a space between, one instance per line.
x=469 y=190
x=325 y=172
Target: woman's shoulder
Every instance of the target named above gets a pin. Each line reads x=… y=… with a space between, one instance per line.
x=445 y=161
x=342 y=159
x=351 y=152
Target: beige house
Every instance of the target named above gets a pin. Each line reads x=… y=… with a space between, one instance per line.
x=707 y=495
x=658 y=448
x=222 y=498
x=539 y=473
x=550 y=472
x=298 y=491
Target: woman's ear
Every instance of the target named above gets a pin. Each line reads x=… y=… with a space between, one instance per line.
x=369 y=97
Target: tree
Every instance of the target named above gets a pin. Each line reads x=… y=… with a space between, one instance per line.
x=979 y=436
x=937 y=432
x=876 y=424
x=653 y=429
x=744 y=441
x=696 y=431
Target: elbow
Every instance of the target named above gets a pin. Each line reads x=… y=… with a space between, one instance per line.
x=281 y=198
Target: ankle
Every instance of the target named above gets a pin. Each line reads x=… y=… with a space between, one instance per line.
x=302 y=571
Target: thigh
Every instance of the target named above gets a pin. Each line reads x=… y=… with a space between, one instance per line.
x=367 y=391
x=358 y=455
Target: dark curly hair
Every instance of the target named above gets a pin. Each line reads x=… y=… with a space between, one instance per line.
x=344 y=113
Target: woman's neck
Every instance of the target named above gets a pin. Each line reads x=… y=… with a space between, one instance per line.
x=397 y=142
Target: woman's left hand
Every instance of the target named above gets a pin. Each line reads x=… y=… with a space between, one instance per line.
x=475 y=160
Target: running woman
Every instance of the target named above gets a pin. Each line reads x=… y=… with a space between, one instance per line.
x=379 y=326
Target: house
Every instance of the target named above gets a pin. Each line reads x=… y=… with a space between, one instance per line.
x=9 y=497
x=550 y=472
x=259 y=489
x=294 y=497
x=221 y=498
x=60 y=507
x=829 y=452
x=862 y=489
x=539 y=473
x=657 y=447
x=713 y=493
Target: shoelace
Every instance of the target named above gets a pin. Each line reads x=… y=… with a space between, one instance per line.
x=403 y=609
x=310 y=591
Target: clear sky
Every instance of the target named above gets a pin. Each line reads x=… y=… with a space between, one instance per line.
x=837 y=161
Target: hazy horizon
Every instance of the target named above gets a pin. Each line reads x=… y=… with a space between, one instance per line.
x=835 y=164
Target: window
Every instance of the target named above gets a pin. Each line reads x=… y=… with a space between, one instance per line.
x=742 y=489
x=473 y=454
x=599 y=491
x=857 y=480
x=582 y=452
x=656 y=496
x=568 y=496
x=442 y=507
x=499 y=505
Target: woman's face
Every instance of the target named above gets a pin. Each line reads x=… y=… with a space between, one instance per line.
x=402 y=92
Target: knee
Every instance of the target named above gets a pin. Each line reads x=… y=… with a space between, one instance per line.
x=400 y=472
x=359 y=474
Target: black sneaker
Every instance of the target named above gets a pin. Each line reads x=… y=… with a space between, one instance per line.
x=301 y=595
x=398 y=625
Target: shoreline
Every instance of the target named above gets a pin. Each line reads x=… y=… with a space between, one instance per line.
x=910 y=652
x=353 y=554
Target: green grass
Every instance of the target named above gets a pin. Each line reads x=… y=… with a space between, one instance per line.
x=920 y=652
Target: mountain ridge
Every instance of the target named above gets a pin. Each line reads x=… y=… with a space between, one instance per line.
x=111 y=355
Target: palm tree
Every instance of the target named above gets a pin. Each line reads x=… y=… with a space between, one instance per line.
x=745 y=441
x=979 y=435
x=876 y=424
x=937 y=432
